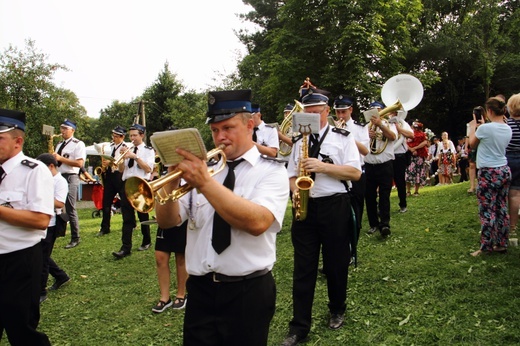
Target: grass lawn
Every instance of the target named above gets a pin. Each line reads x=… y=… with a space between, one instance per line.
x=418 y=287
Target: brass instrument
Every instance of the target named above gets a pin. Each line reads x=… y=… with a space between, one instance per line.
x=49 y=132
x=408 y=91
x=383 y=114
x=99 y=170
x=340 y=123
x=141 y=194
x=117 y=160
x=304 y=182
x=286 y=128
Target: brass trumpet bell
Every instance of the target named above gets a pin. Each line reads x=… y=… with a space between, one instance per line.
x=142 y=194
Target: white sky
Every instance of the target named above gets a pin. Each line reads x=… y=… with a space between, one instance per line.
x=117 y=48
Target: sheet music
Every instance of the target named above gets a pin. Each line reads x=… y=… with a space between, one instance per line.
x=370 y=113
x=306 y=120
x=166 y=142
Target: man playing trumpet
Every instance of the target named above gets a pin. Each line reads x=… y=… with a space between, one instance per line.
x=233 y=219
x=112 y=178
x=139 y=161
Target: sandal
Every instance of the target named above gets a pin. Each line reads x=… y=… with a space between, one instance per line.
x=161 y=306
x=180 y=303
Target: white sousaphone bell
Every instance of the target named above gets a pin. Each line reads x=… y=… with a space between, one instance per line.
x=406 y=89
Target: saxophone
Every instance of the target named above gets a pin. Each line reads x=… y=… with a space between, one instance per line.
x=50 y=143
x=304 y=182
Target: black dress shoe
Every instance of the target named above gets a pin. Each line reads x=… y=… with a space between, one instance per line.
x=292 y=340
x=72 y=244
x=101 y=233
x=336 y=321
x=56 y=285
x=120 y=254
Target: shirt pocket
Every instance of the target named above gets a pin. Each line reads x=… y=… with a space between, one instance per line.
x=331 y=151
x=12 y=199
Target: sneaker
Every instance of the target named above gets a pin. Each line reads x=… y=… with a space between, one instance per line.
x=180 y=303
x=161 y=306
x=403 y=210
x=372 y=230
x=385 y=231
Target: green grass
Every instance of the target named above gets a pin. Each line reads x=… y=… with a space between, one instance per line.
x=418 y=287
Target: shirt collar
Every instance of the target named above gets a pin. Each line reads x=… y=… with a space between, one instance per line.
x=10 y=164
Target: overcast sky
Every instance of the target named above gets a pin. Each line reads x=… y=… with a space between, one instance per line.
x=116 y=48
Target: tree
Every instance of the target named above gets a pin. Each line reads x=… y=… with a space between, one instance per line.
x=26 y=83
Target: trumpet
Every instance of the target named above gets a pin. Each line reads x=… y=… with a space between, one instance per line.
x=117 y=161
x=142 y=194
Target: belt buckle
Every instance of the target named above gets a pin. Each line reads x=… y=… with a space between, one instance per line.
x=214 y=276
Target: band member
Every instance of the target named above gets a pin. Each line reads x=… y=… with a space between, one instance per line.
x=61 y=189
x=112 y=178
x=233 y=218
x=139 y=162
x=401 y=160
x=71 y=155
x=333 y=160
x=343 y=106
x=265 y=137
x=379 y=172
x=26 y=190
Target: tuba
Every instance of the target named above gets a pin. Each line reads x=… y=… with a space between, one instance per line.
x=141 y=194
x=408 y=91
x=304 y=182
x=286 y=128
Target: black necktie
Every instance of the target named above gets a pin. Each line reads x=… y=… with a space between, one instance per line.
x=2 y=174
x=313 y=146
x=254 y=134
x=131 y=161
x=435 y=151
x=221 y=237
x=61 y=149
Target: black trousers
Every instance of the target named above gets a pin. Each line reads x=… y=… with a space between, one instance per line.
x=20 y=275
x=229 y=314
x=129 y=224
x=327 y=227
x=357 y=199
x=112 y=185
x=49 y=266
x=400 y=166
x=433 y=169
x=463 y=165
x=379 y=183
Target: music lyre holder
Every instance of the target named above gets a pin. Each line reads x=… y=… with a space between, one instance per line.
x=303 y=129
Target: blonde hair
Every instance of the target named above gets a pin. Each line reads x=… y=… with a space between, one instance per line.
x=513 y=105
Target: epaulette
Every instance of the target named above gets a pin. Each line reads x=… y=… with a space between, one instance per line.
x=148 y=147
x=341 y=131
x=269 y=125
x=275 y=159
x=297 y=138
x=359 y=124
x=29 y=164
x=75 y=140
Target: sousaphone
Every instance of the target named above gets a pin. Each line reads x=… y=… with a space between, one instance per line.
x=408 y=90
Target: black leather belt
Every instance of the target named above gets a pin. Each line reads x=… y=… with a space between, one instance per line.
x=217 y=277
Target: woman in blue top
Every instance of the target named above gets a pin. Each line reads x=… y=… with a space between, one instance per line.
x=494 y=175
